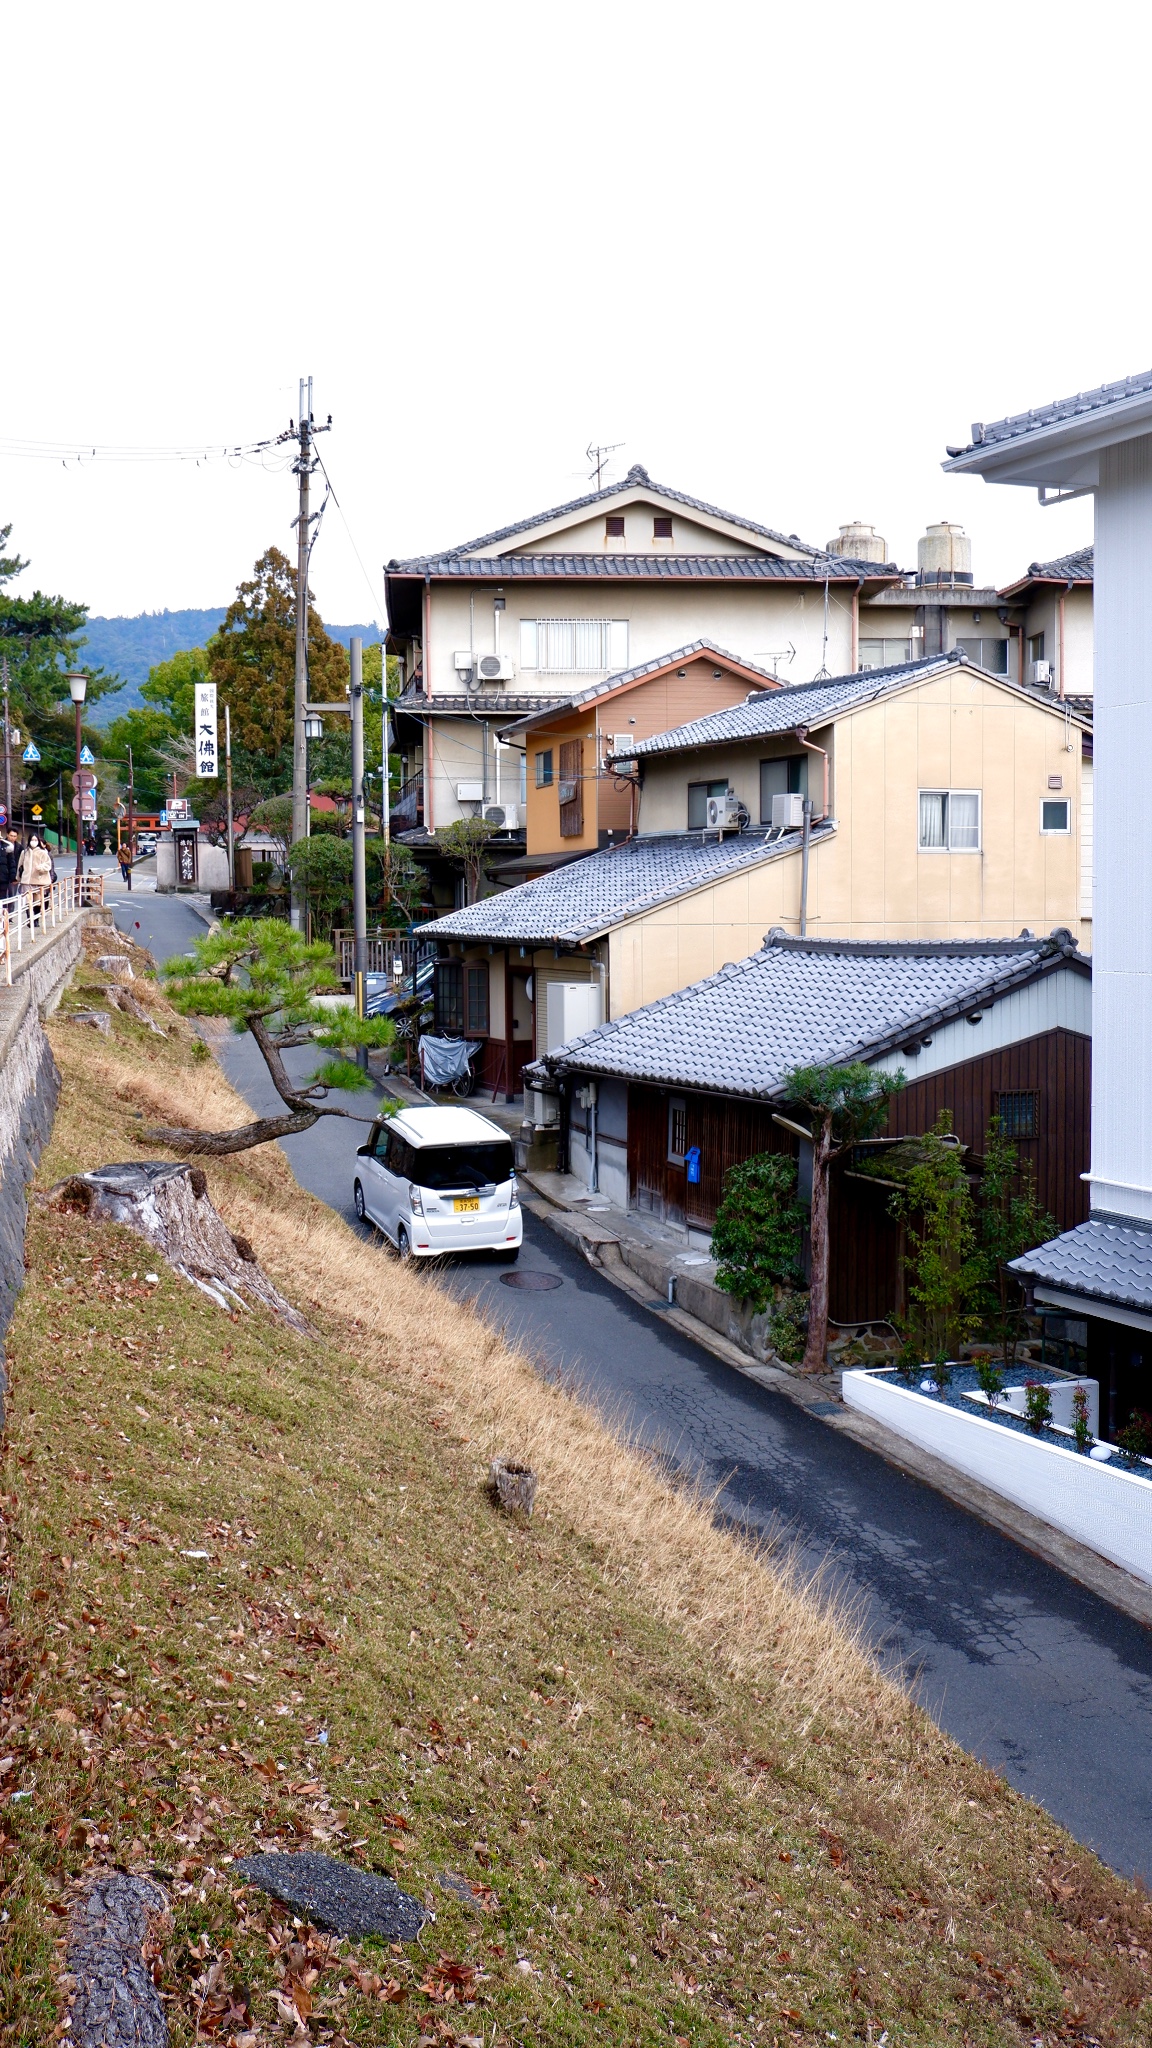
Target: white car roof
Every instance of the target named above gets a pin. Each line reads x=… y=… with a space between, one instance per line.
x=439 y=1126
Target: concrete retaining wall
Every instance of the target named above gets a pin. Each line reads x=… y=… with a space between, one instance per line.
x=29 y=1087
x=1105 y=1508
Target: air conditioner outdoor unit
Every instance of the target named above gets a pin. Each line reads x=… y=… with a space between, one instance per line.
x=726 y=813
x=1041 y=672
x=469 y=792
x=787 y=812
x=506 y=817
x=494 y=668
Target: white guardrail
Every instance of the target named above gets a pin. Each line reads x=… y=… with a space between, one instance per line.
x=31 y=914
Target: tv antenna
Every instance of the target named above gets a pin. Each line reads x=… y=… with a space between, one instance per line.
x=598 y=457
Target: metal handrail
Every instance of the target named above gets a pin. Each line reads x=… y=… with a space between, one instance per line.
x=34 y=912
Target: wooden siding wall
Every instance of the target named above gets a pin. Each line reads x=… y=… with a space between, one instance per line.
x=1058 y=1066
x=727 y=1131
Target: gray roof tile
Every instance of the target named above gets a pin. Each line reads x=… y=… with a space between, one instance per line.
x=1078 y=567
x=1101 y=1260
x=986 y=434
x=649 y=568
x=636 y=475
x=815 y=704
x=804 y=1001
x=604 y=889
x=661 y=661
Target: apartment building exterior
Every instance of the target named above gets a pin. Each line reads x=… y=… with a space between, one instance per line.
x=521 y=620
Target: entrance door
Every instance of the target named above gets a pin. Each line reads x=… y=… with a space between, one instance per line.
x=520 y=1035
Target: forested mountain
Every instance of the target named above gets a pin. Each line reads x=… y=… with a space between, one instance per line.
x=130 y=647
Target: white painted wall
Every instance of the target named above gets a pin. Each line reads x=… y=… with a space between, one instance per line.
x=1099 y=1504
x=1061 y=1000
x=1121 y=1175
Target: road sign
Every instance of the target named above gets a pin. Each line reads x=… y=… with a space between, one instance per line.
x=84 y=805
x=205 y=732
x=3 y=815
x=87 y=758
x=83 y=778
x=31 y=752
x=37 y=810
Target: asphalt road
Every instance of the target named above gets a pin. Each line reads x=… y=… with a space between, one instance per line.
x=1023 y=1667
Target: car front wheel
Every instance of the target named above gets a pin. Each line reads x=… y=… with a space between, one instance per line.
x=358 y=1204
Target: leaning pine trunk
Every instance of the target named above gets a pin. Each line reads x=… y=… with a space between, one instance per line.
x=815 y=1352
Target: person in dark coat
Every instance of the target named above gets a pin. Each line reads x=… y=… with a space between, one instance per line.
x=10 y=851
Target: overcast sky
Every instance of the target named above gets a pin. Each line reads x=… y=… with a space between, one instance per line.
x=782 y=254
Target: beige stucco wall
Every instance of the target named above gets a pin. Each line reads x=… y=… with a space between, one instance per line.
x=750 y=620
x=664 y=796
x=871 y=881
x=1043 y=616
x=457 y=755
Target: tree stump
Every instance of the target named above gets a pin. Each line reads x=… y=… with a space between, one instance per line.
x=115 y=1931
x=169 y=1205
x=117 y=965
x=513 y=1485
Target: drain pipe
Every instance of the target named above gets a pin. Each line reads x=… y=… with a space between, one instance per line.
x=593 y=1133
x=805 y=842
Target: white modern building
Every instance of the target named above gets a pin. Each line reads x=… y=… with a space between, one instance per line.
x=1100 y=443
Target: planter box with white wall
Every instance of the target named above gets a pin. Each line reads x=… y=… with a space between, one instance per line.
x=1101 y=1505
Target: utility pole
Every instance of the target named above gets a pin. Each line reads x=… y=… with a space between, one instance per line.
x=131 y=816
x=304 y=432
x=7 y=745
x=303 y=468
x=385 y=749
x=359 y=880
x=228 y=790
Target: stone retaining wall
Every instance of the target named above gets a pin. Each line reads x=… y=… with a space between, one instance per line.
x=29 y=1087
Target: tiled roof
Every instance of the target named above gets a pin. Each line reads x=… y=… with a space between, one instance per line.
x=1074 y=568
x=815 y=704
x=636 y=475
x=604 y=889
x=650 y=568
x=986 y=434
x=805 y=1002
x=1103 y=1261
x=656 y=667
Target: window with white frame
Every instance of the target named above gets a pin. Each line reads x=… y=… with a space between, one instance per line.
x=887 y=653
x=949 y=821
x=574 y=646
x=1055 y=814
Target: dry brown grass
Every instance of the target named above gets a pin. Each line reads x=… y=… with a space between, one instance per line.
x=757 y=1748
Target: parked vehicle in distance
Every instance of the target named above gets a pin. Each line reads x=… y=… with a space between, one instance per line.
x=440 y=1180
x=145 y=843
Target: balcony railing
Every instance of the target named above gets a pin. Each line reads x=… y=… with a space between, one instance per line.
x=28 y=917
x=392 y=953
x=408 y=807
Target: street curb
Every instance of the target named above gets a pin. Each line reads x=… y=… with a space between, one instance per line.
x=816 y=1396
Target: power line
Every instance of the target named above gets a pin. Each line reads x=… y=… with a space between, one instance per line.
x=381 y=611
x=267 y=453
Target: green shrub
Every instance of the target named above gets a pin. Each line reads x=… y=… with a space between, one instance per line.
x=935 y=1202
x=788 y=1329
x=756 y=1238
x=990 y=1377
x=1038 y=1405
x=1136 y=1436
x=1081 y=1431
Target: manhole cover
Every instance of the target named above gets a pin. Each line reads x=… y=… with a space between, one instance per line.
x=532 y=1283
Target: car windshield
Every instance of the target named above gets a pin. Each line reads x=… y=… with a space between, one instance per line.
x=461 y=1166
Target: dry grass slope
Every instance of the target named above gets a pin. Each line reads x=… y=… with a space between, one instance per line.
x=688 y=1806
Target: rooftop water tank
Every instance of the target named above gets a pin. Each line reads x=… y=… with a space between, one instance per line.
x=859 y=543
x=944 y=554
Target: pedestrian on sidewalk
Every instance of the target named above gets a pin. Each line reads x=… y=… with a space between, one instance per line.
x=35 y=875
x=125 y=859
x=10 y=851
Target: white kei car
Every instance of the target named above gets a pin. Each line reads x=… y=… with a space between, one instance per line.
x=440 y=1180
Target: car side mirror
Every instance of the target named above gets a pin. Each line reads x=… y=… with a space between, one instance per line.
x=363 y=1151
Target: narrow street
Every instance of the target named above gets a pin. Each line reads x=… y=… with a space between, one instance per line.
x=1023 y=1667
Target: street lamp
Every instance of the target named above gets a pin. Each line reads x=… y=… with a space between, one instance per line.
x=78 y=690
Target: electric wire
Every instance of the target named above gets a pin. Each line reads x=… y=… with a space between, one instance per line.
x=81 y=454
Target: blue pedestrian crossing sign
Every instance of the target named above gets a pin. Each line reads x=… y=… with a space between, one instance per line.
x=31 y=752
x=87 y=758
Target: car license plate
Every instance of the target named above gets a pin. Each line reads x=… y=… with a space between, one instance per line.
x=466 y=1202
